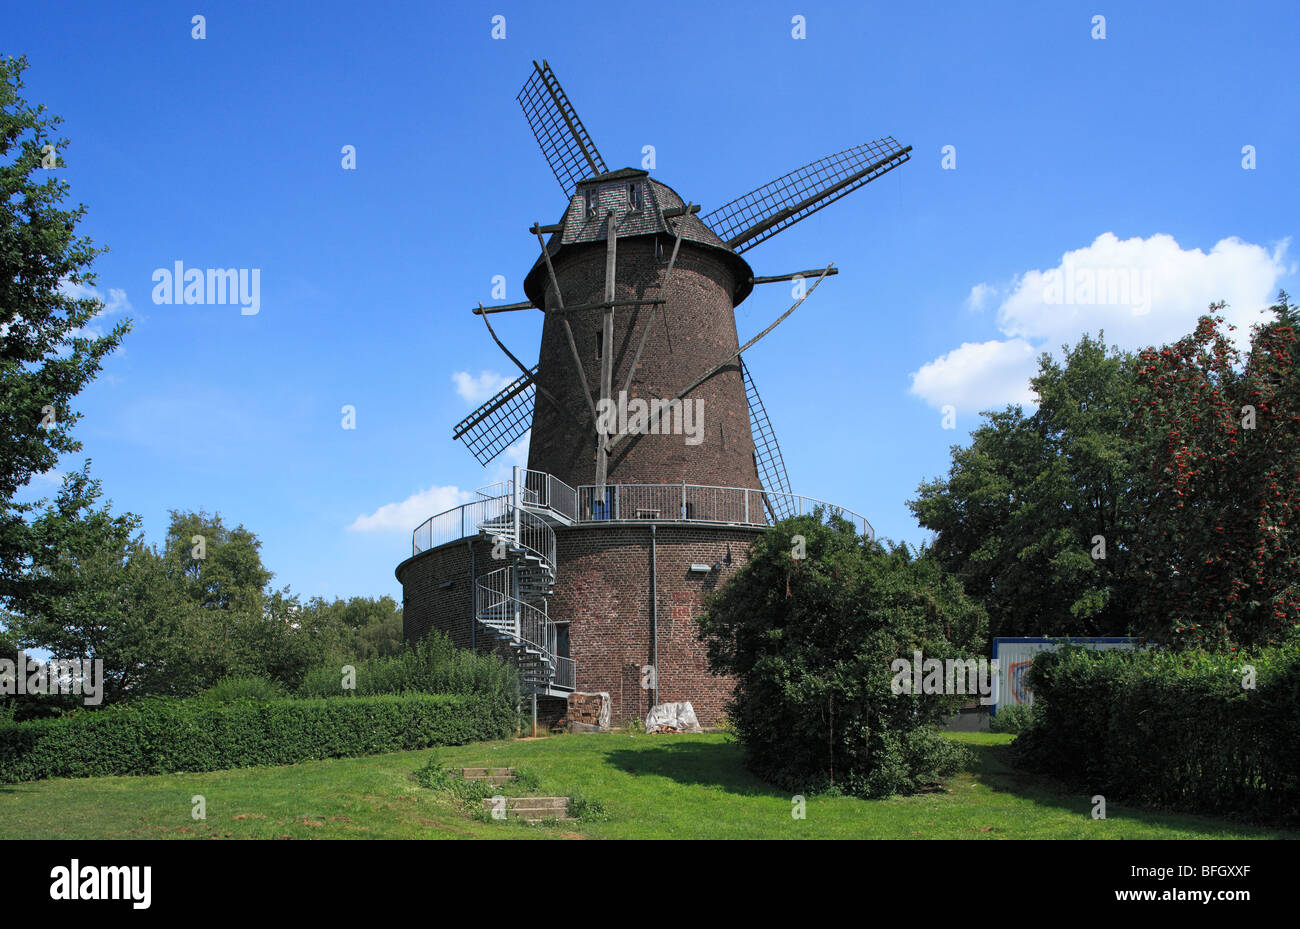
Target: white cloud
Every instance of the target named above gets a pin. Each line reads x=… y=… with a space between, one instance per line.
x=415 y=509
x=979 y=295
x=46 y=480
x=979 y=376
x=113 y=303
x=1166 y=287
x=1139 y=291
x=477 y=389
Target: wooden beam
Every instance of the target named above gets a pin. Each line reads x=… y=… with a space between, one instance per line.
x=520 y=365
x=653 y=419
x=607 y=348
x=603 y=304
x=568 y=330
x=772 y=279
x=504 y=308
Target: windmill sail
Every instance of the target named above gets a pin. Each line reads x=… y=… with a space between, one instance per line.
x=560 y=133
x=767 y=453
x=499 y=423
x=762 y=213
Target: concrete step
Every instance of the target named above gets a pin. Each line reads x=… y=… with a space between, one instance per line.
x=533 y=809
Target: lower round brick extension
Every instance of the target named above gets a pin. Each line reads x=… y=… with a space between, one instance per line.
x=603 y=591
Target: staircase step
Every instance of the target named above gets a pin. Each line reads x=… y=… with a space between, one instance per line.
x=533 y=809
x=495 y=776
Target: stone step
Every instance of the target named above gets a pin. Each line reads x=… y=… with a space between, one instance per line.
x=533 y=809
x=493 y=775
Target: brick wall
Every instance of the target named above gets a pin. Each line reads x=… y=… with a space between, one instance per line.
x=694 y=331
x=603 y=591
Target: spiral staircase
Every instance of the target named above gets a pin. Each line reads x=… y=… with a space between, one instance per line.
x=510 y=600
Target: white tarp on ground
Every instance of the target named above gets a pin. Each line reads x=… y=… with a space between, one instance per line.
x=672 y=717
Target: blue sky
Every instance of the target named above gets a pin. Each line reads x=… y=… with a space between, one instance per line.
x=1123 y=153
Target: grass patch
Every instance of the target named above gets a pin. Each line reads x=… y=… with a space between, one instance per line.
x=628 y=786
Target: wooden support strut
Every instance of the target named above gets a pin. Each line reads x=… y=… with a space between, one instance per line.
x=774 y=278
x=529 y=305
x=504 y=308
x=607 y=350
x=568 y=330
x=657 y=411
x=520 y=365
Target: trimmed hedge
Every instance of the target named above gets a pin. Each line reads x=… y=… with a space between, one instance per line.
x=1175 y=730
x=164 y=736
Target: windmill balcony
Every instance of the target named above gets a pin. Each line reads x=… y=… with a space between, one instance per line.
x=551 y=500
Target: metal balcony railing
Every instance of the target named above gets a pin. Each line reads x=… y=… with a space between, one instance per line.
x=662 y=503
x=701 y=503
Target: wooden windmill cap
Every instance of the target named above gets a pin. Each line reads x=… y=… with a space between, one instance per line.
x=584 y=223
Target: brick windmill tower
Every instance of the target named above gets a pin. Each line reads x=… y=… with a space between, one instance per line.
x=652 y=465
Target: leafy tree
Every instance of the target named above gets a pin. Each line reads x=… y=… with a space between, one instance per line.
x=811 y=642
x=1216 y=452
x=1032 y=516
x=222 y=568
x=373 y=625
x=47 y=353
x=100 y=593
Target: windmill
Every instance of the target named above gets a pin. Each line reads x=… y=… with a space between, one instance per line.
x=632 y=267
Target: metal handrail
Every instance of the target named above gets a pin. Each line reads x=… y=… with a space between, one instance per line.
x=665 y=503
x=549 y=492
x=528 y=624
x=701 y=503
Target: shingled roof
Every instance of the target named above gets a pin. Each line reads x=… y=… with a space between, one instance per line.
x=581 y=226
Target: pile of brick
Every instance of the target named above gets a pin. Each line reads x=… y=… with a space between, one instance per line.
x=588 y=712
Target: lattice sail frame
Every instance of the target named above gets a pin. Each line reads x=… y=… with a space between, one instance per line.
x=558 y=130
x=501 y=422
x=767 y=453
x=762 y=213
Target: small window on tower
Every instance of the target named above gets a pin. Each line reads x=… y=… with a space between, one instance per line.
x=593 y=203
x=634 y=196
x=600 y=344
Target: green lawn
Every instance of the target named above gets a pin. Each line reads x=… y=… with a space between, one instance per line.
x=660 y=786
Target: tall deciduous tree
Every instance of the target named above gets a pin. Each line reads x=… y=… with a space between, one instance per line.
x=47 y=354
x=1031 y=516
x=1215 y=556
x=102 y=594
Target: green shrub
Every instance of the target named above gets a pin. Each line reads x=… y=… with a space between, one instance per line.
x=587 y=809
x=811 y=627
x=1013 y=719
x=434 y=666
x=233 y=689
x=1176 y=730
x=159 y=736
